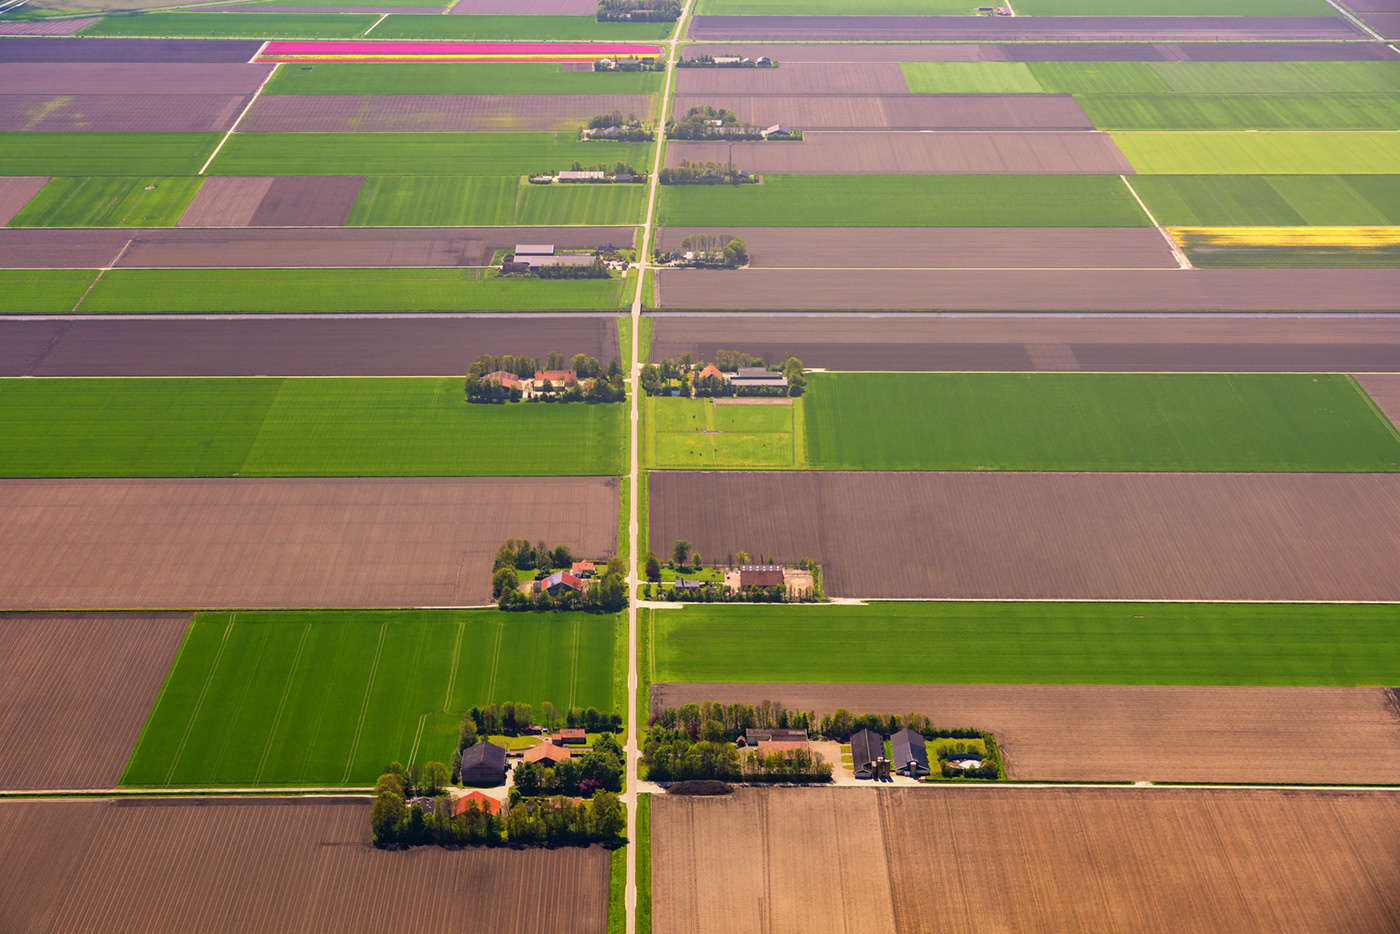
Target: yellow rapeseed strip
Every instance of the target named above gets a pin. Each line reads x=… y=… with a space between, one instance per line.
x=1360 y=237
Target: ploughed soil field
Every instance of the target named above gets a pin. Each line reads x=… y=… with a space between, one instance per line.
x=15 y=194
x=1070 y=732
x=117 y=544
x=447 y=113
x=942 y=247
x=247 y=346
x=1070 y=536
x=1023 y=28
x=837 y=860
x=529 y=7
x=1033 y=289
x=1010 y=342
x=907 y=112
x=1077 y=52
x=23 y=49
x=62 y=78
x=273 y=864
x=112 y=113
x=820 y=80
x=75 y=692
x=1384 y=390
x=946 y=153
x=318 y=248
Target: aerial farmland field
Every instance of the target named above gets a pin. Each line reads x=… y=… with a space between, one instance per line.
x=696 y=434
x=535 y=28
x=455 y=78
x=1151 y=77
x=129 y=154
x=43 y=290
x=1292 y=153
x=109 y=202
x=331 y=698
x=250 y=25
x=1271 y=200
x=1376 y=111
x=474 y=200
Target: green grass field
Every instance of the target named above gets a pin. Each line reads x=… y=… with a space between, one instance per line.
x=235 y=25
x=105 y=154
x=1271 y=200
x=1278 y=77
x=695 y=434
x=1248 y=153
x=1028 y=643
x=1095 y=421
x=1173 y=8
x=517 y=28
x=295 y=427
x=137 y=291
x=1334 y=111
x=331 y=698
x=491 y=201
x=906 y=201
x=1152 y=77
x=458 y=78
x=42 y=291
x=109 y=202
x=511 y=154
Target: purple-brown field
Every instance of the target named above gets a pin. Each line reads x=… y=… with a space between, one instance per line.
x=225 y=201
x=1384 y=390
x=884 y=77
x=1387 y=24
x=52 y=79
x=125 y=113
x=1057 y=52
x=85 y=49
x=904 y=112
x=307 y=201
x=1023 y=29
x=526 y=7
x=442 y=113
x=56 y=27
x=15 y=193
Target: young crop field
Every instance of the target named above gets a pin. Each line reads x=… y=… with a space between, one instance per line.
x=296 y=427
x=106 y=154
x=109 y=202
x=1247 y=153
x=137 y=291
x=492 y=201
x=696 y=434
x=1135 y=78
x=1257 y=247
x=906 y=201
x=511 y=154
x=1278 y=77
x=331 y=698
x=1028 y=643
x=1334 y=111
x=42 y=291
x=517 y=28
x=235 y=25
x=1095 y=422
x=1271 y=200
x=457 y=78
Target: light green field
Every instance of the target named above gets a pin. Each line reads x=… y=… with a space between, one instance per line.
x=42 y=291
x=1173 y=8
x=1027 y=643
x=906 y=201
x=1335 y=111
x=492 y=201
x=109 y=202
x=559 y=205
x=696 y=434
x=458 y=78
x=331 y=698
x=235 y=25
x=1279 y=77
x=970 y=78
x=296 y=427
x=1152 y=77
x=1261 y=153
x=105 y=154
x=512 y=154
x=517 y=28
x=1095 y=421
x=136 y=291
x=1271 y=200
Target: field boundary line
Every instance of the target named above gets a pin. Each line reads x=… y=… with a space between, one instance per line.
x=199 y=704
x=155 y=705
x=1355 y=20
x=364 y=704
x=1172 y=245
x=1380 y=412
x=251 y=101
x=261 y=49
x=495 y=662
x=101 y=270
x=282 y=703
x=376 y=23
x=573 y=667
x=456 y=658
x=417 y=738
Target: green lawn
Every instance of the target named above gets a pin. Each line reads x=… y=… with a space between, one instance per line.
x=415 y=153
x=457 y=78
x=109 y=202
x=492 y=201
x=106 y=154
x=1271 y=200
x=137 y=291
x=1173 y=8
x=330 y=698
x=1261 y=153
x=297 y=427
x=1095 y=421
x=1029 y=643
x=42 y=291
x=235 y=25
x=1334 y=111
x=517 y=28
x=695 y=434
x=906 y=201
x=1152 y=77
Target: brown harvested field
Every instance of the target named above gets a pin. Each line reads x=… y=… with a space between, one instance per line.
x=1282 y=343
x=1073 y=732
x=268 y=8
x=842 y=52
x=1384 y=390
x=526 y=7
x=1387 y=24
x=943 y=247
x=307 y=201
x=61 y=247
x=968 y=153
x=52 y=79
x=1032 y=290
x=905 y=112
x=819 y=80
x=1059 y=52
x=1054 y=536
x=1373 y=6
x=118 y=544
x=997 y=859
x=133 y=113
x=250 y=346
x=86 y=49
x=225 y=201
x=57 y=27
x=446 y=113
x=273 y=865
x=15 y=192
x=75 y=692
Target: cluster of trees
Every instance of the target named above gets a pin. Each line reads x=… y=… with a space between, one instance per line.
x=729 y=721
x=710 y=122
x=602 y=121
x=612 y=126
x=606 y=593
x=707 y=250
x=704 y=173
x=613 y=168
x=990 y=767
x=639 y=11
x=519 y=553
x=594 y=270
x=607 y=385
x=599 y=769
x=708 y=61
x=629 y=64
x=673 y=756
x=658 y=377
x=717 y=593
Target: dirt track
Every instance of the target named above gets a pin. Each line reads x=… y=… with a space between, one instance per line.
x=125 y=113
x=1026 y=342
x=247 y=346
x=1057 y=52
x=1071 y=732
x=1054 y=536
x=1385 y=392
x=273 y=865
x=1033 y=290
x=836 y=860
x=443 y=113
x=117 y=544
x=59 y=77
x=905 y=112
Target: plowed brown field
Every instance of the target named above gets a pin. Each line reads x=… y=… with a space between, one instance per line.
x=1056 y=536
x=225 y=201
x=1023 y=28
x=307 y=201
x=119 y=544
x=907 y=112
x=527 y=7
x=1060 y=52
x=1071 y=732
x=15 y=194
x=446 y=113
x=911 y=860
x=75 y=692
x=57 y=76
x=884 y=77
x=119 y=113
x=273 y=865
x=1384 y=390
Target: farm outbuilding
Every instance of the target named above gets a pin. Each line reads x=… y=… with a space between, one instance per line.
x=760 y=575
x=908 y=753
x=484 y=764
x=570 y=736
x=868 y=754
x=484 y=802
x=753 y=737
x=547 y=754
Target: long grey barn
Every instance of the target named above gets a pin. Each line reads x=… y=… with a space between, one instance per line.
x=484 y=763
x=909 y=754
x=867 y=749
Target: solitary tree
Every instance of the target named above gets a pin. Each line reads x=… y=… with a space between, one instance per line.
x=435 y=778
x=742 y=557
x=653 y=567
x=681 y=551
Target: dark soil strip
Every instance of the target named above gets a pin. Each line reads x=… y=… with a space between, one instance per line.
x=1058 y=52
x=307 y=201
x=53 y=79
x=143 y=113
x=526 y=7
x=904 y=112
x=445 y=113
x=24 y=49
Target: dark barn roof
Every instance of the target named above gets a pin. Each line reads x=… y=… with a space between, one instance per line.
x=866 y=747
x=908 y=747
x=484 y=760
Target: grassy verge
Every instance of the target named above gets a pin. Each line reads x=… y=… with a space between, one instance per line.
x=643 y=842
x=617 y=891
x=646 y=623
x=644 y=351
